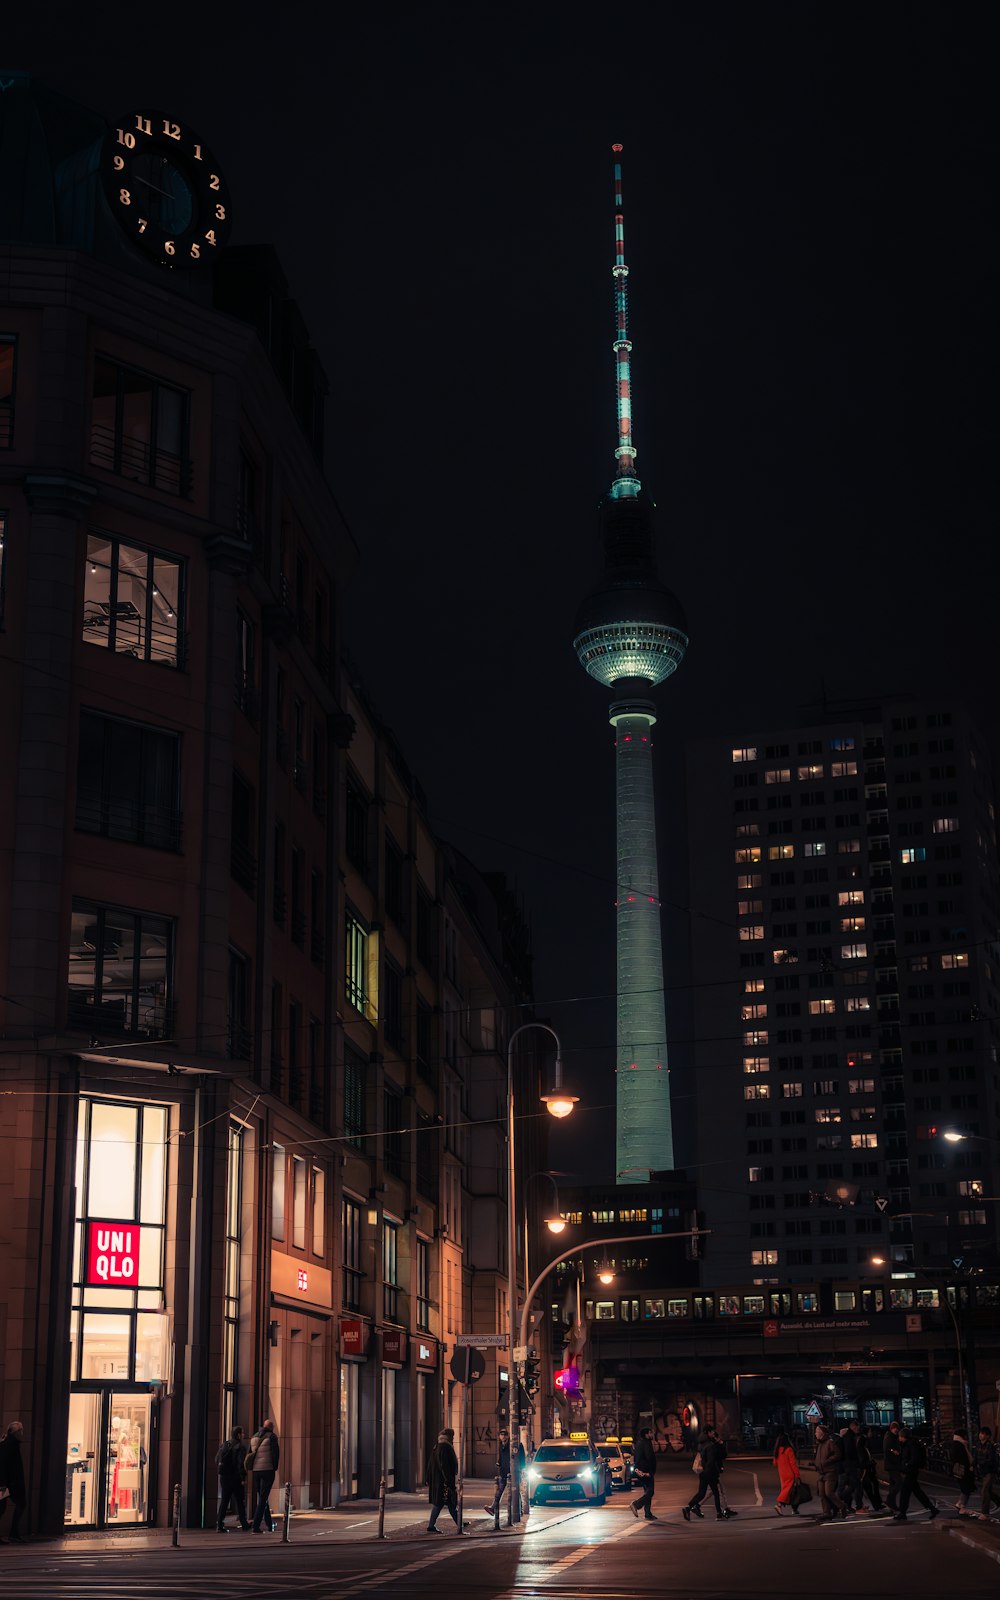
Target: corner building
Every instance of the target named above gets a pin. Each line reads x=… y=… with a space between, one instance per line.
x=203 y=1063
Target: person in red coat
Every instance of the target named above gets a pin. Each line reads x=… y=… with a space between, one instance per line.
x=787 y=1463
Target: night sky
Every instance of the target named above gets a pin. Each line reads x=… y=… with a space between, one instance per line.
x=811 y=231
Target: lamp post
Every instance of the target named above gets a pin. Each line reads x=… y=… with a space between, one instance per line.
x=559 y=1103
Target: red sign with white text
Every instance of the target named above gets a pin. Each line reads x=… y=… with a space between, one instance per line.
x=112 y=1254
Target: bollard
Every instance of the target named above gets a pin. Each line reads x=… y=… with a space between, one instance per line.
x=288 y=1513
x=381 y=1507
x=496 y=1505
x=176 y=1519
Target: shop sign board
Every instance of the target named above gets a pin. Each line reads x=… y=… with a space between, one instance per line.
x=113 y=1254
x=353 y=1337
x=427 y=1354
x=393 y=1347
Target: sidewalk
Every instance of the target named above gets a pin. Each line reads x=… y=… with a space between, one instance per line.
x=353 y=1522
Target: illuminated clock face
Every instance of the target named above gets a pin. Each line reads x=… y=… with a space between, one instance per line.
x=165 y=189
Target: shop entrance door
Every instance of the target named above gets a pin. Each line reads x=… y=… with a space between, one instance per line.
x=108 y=1454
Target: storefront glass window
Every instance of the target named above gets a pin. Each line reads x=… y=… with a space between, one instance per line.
x=105 y=1346
x=112 y=1160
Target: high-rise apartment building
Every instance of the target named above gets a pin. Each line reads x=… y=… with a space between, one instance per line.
x=845 y=912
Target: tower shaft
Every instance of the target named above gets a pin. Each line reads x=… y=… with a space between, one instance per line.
x=644 y=1128
x=626 y=485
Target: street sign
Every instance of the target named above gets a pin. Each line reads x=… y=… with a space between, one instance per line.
x=814 y=1411
x=483 y=1341
x=468 y=1365
x=520 y=1352
x=957 y=1262
x=881 y=1202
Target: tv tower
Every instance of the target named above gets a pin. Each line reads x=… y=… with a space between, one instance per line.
x=630 y=636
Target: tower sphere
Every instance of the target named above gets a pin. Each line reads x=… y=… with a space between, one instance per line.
x=632 y=628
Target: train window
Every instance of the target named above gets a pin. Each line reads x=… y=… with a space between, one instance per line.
x=677 y=1308
x=873 y=1299
x=704 y=1305
x=843 y=1300
x=931 y=1298
x=900 y=1298
x=807 y=1301
x=753 y=1305
x=781 y=1303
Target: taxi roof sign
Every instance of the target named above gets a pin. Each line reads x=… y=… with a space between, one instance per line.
x=611 y=1438
x=580 y=1438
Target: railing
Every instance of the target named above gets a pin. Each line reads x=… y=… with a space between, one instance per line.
x=151 y=1018
x=239 y=1041
x=353 y=1279
x=137 y=460
x=157 y=827
x=243 y=866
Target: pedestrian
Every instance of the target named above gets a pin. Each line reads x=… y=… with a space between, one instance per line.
x=708 y=1464
x=829 y=1453
x=869 y=1472
x=262 y=1460
x=849 y=1472
x=502 y=1470
x=912 y=1457
x=987 y=1467
x=12 y=1480
x=644 y=1475
x=787 y=1463
x=727 y=1509
x=960 y=1463
x=230 y=1458
x=442 y=1479
x=891 y=1453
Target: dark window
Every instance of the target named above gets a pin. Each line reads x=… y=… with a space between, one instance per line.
x=120 y=971
x=127 y=782
x=280 y=730
x=425 y=924
x=243 y=864
x=314 y=1069
x=319 y=773
x=356 y=827
x=428 y=1143
x=245 y=686
x=394 y=882
x=299 y=771
x=392 y=1005
x=133 y=601
x=393 y=1132
x=248 y=501
x=8 y=365
x=239 y=1006
x=139 y=428
x=390 y=1271
x=298 y=897
x=316 y=940
x=425 y=1065
x=350 y=1231
x=295 y=1053
x=280 y=897
x=355 y=1074
x=277 y=1036
x=423 y=1285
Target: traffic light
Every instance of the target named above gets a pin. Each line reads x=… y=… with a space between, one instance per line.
x=531 y=1366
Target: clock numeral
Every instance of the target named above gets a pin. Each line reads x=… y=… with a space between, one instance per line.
x=119 y=163
x=127 y=139
x=169 y=248
x=171 y=129
x=197 y=152
x=210 y=236
x=213 y=182
x=220 y=213
x=144 y=125
x=195 y=252
x=124 y=197
x=143 y=224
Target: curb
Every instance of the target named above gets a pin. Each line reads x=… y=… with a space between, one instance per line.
x=992 y=1552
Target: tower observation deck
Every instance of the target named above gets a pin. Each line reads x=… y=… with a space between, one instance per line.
x=631 y=636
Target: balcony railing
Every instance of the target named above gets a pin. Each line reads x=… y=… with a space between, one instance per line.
x=243 y=866
x=239 y=1041
x=353 y=1279
x=113 y=817
x=138 y=461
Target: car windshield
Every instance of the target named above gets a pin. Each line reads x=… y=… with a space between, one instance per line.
x=610 y=1452
x=562 y=1452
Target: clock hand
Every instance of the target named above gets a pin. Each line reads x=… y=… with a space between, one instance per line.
x=155 y=186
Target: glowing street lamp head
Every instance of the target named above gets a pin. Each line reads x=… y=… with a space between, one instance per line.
x=555 y=1224
x=606 y=1275
x=953 y=1137
x=559 y=1103
x=877 y=1261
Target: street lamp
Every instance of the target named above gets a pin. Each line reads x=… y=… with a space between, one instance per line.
x=606 y=1274
x=559 y=1103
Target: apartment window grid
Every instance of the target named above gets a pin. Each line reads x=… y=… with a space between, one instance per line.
x=128 y=781
x=423 y=1285
x=133 y=601
x=120 y=978
x=356 y=957
x=390 y=1271
x=350 y=1231
x=140 y=428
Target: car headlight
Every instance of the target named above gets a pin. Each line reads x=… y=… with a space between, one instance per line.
x=588 y=1472
x=533 y=1474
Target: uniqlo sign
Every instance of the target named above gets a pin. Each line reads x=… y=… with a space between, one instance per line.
x=113 y=1254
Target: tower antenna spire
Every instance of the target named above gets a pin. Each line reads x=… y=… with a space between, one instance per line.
x=626 y=485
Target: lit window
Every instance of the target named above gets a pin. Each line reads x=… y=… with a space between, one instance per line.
x=861 y=1085
x=852 y=924
x=911 y=854
x=842 y=742
x=805 y=773
x=791 y=1091
x=778 y=775
x=760 y=1258
x=747 y=830
x=862 y=1113
x=784 y=958
x=954 y=959
x=756 y=1091
x=827 y=1114
x=755 y=1036
x=758 y=1174
x=816 y=847
x=864 y=1141
x=747 y=854
x=749 y=908
x=750 y=1013
x=781 y=852
x=748 y=754
x=132 y=601
x=944 y=825
x=972 y=1188
x=843 y=769
x=818 y=1008
x=857 y=1002
x=756 y=1063
x=851 y=897
x=753 y=986
x=854 y=952
x=848 y=847
x=749 y=880
x=752 y=930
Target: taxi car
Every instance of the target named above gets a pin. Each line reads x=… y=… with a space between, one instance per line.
x=619 y=1465
x=565 y=1470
